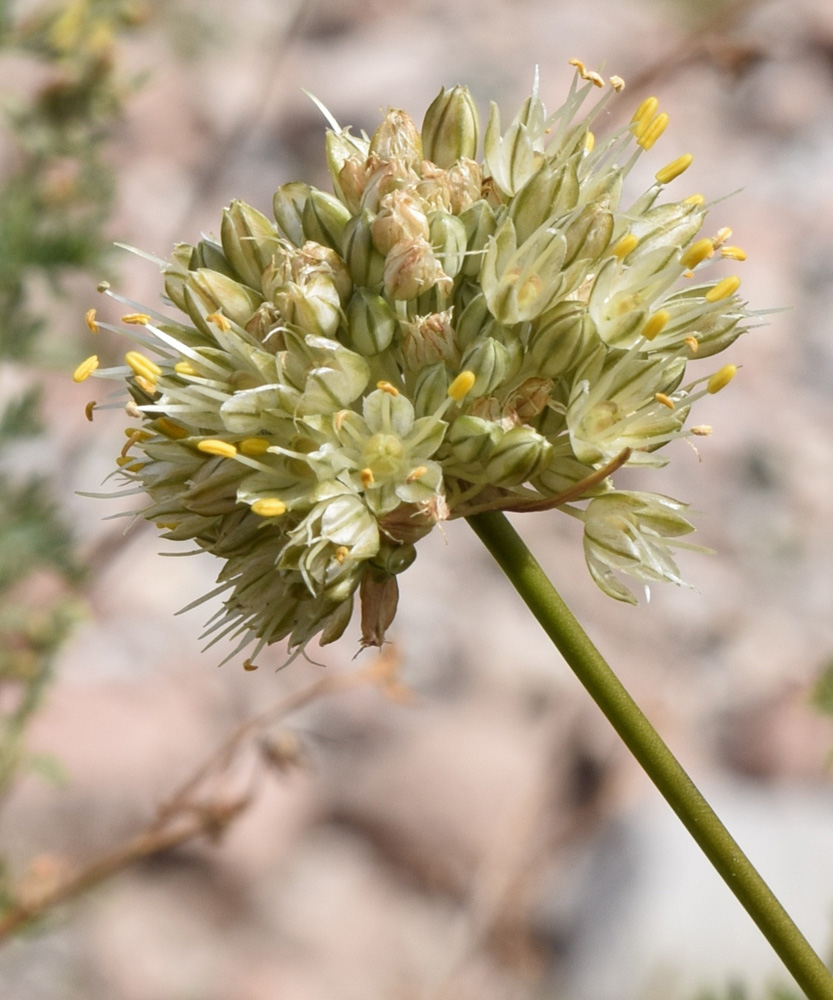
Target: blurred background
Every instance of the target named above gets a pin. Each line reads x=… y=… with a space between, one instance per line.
x=472 y=829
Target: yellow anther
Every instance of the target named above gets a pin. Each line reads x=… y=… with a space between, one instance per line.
x=723 y=289
x=248 y=665
x=694 y=199
x=220 y=321
x=88 y=410
x=674 y=168
x=693 y=344
x=213 y=446
x=733 y=253
x=367 y=477
x=147 y=384
x=103 y=286
x=416 y=473
x=653 y=131
x=579 y=65
x=171 y=429
x=85 y=369
x=137 y=434
x=701 y=430
x=136 y=319
x=589 y=142
x=699 y=251
x=721 y=378
x=387 y=387
x=643 y=115
x=656 y=324
x=461 y=386
x=587 y=74
x=253 y=446
x=341 y=553
x=167 y=525
x=269 y=507
x=185 y=368
x=143 y=366
x=129 y=464
x=625 y=245
x=660 y=397
x=617 y=83
x=339 y=418
x=89 y=316
x=721 y=237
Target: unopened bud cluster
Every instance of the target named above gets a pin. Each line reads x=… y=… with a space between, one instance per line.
x=441 y=335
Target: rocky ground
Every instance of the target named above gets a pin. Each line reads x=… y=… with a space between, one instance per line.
x=486 y=836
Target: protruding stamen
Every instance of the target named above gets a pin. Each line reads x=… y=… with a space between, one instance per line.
x=721 y=378
x=248 y=665
x=136 y=319
x=643 y=115
x=733 y=253
x=587 y=74
x=143 y=366
x=171 y=429
x=185 y=368
x=701 y=430
x=660 y=397
x=367 y=477
x=699 y=251
x=656 y=324
x=694 y=199
x=103 y=286
x=692 y=343
x=625 y=245
x=416 y=473
x=387 y=387
x=653 y=131
x=461 y=386
x=589 y=142
x=85 y=369
x=674 y=168
x=269 y=507
x=213 y=446
x=617 y=83
x=723 y=289
x=89 y=316
x=253 y=446
x=220 y=321
x=88 y=410
x=721 y=236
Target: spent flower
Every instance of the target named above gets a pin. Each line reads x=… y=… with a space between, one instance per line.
x=440 y=336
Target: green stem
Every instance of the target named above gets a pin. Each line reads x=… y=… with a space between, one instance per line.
x=518 y=563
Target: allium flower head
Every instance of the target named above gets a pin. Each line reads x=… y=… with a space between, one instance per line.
x=440 y=336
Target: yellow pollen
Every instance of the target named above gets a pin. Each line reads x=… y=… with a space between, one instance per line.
x=171 y=429
x=136 y=319
x=248 y=665
x=269 y=507
x=723 y=289
x=253 y=446
x=674 y=168
x=89 y=316
x=185 y=368
x=143 y=366
x=701 y=430
x=653 y=131
x=88 y=410
x=643 y=115
x=391 y=390
x=222 y=449
x=589 y=142
x=220 y=321
x=694 y=199
x=416 y=473
x=656 y=324
x=341 y=553
x=693 y=344
x=733 y=253
x=699 y=251
x=625 y=245
x=721 y=378
x=461 y=386
x=367 y=477
x=617 y=83
x=660 y=397
x=85 y=369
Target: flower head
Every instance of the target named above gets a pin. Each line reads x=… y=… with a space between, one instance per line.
x=438 y=337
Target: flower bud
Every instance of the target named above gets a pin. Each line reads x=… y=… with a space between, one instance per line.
x=249 y=241
x=513 y=158
x=448 y=238
x=365 y=263
x=561 y=338
x=431 y=388
x=550 y=191
x=288 y=205
x=343 y=148
x=588 y=235
x=175 y=274
x=520 y=454
x=370 y=322
x=393 y=558
x=479 y=220
x=314 y=307
x=323 y=219
x=397 y=138
x=490 y=361
x=208 y=292
x=400 y=217
x=451 y=127
x=471 y=438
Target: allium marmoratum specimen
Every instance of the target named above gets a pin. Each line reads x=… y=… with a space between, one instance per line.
x=440 y=336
